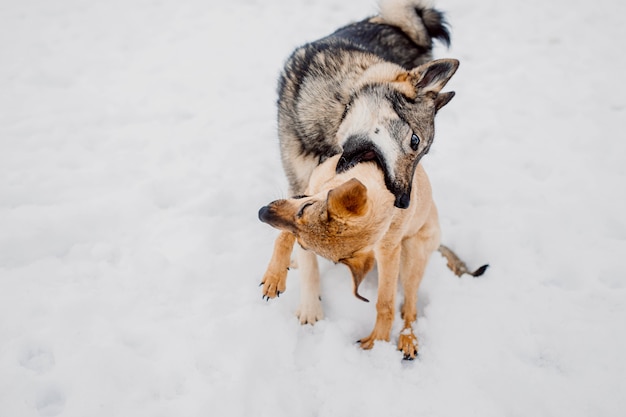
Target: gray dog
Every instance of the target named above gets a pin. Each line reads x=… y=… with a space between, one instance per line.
x=369 y=92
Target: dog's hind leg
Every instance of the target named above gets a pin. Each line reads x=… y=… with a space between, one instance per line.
x=274 y=281
x=310 y=309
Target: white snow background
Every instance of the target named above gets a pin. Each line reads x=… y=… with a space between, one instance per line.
x=138 y=142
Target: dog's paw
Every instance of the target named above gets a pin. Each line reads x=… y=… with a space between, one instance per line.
x=311 y=312
x=407 y=343
x=274 y=283
x=368 y=342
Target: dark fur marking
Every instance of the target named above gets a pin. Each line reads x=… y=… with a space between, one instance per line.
x=386 y=41
x=436 y=24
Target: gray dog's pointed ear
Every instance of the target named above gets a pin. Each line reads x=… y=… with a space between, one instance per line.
x=349 y=199
x=433 y=76
x=443 y=99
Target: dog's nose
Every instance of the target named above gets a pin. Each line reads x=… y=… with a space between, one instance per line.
x=403 y=200
x=263 y=213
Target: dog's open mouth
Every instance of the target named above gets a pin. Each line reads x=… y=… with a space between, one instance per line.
x=349 y=159
x=360 y=149
x=369 y=152
x=368 y=156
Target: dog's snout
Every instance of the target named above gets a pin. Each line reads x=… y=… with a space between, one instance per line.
x=276 y=217
x=264 y=214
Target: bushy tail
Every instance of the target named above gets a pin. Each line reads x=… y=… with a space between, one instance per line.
x=457 y=266
x=417 y=19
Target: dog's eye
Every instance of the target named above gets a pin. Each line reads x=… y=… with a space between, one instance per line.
x=415 y=141
x=301 y=211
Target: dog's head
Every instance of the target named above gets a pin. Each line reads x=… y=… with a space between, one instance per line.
x=336 y=224
x=341 y=224
x=390 y=120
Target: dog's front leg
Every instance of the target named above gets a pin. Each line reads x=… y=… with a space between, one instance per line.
x=388 y=259
x=275 y=279
x=416 y=251
x=310 y=309
x=415 y=255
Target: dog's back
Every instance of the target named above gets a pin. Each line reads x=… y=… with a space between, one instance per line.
x=402 y=33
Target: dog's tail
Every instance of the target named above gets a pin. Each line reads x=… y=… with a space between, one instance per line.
x=457 y=266
x=417 y=18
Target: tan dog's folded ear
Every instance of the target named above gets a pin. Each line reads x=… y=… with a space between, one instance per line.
x=360 y=264
x=349 y=199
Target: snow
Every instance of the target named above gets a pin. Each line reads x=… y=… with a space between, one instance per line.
x=138 y=143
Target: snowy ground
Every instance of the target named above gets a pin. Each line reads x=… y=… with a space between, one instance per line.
x=137 y=142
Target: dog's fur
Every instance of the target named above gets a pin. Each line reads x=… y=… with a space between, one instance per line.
x=369 y=91
x=349 y=218
x=361 y=103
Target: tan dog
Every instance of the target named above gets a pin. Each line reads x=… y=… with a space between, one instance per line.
x=350 y=218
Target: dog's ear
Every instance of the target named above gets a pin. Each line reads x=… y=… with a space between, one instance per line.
x=360 y=264
x=433 y=76
x=443 y=99
x=349 y=199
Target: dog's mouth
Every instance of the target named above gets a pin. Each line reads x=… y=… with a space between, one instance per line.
x=369 y=156
x=351 y=157
x=357 y=150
